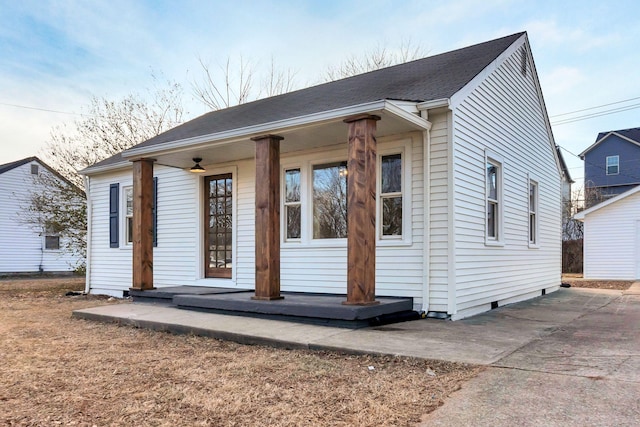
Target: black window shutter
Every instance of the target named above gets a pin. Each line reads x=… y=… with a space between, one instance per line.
x=154 y=211
x=113 y=215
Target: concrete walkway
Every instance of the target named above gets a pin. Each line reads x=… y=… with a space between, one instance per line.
x=568 y=358
x=584 y=373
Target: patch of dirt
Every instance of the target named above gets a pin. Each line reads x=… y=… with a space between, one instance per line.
x=576 y=281
x=57 y=370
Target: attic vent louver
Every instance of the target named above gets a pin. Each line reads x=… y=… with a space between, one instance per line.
x=523 y=61
x=34 y=169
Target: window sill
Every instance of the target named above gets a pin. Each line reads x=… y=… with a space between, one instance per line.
x=534 y=246
x=494 y=243
x=386 y=243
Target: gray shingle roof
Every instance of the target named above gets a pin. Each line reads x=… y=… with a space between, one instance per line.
x=633 y=133
x=435 y=77
x=8 y=166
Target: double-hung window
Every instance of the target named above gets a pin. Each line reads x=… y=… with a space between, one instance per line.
x=533 y=212
x=51 y=239
x=314 y=198
x=292 y=204
x=390 y=216
x=493 y=200
x=128 y=215
x=613 y=165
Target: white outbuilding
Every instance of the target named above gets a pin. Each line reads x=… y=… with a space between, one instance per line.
x=612 y=237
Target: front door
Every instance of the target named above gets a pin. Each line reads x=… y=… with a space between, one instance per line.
x=218 y=226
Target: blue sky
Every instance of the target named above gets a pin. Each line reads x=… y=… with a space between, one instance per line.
x=56 y=55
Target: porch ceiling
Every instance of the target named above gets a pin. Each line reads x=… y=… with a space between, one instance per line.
x=298 y=138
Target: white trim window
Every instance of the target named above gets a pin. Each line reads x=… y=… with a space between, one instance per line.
x=329 y=181
x=51 y=239
x=127 y=226
x=493 y=177
x=292 y=205
x=613 y=165
x=533 y=213
x=391 y=196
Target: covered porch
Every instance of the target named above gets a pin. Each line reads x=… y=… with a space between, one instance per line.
x=360 y=126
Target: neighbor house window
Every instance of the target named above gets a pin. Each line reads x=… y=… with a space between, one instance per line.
x=493 y=191
x=292 y=204
x=330 y=200
x=391 y=195
x=613 y=165
x=128 y=215
x=533 y=212
x=51 y=240
x=34 y=169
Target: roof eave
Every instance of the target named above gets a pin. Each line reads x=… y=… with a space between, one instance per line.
x=222 y=138
x=94 y=170
x=580 y=215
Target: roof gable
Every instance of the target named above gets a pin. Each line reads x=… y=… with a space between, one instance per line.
x=12 y=165
x=630 y=135
x=435 y=77
x=581 y=215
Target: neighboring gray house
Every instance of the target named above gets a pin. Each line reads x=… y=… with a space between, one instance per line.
x=612 y=237
x=26 y=248
x=611 y=164
x=449 y=164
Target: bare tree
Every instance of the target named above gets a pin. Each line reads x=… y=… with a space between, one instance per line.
x=572 y=229
x=380 y=57
x=234 y=83
x=277 y=81
x=107 y=127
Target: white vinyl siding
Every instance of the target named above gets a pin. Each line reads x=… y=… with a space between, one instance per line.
x=312 y=265
x=439 y=214
x=22 y=246
x=504 y=115
x=611 y=241
x=305 y=267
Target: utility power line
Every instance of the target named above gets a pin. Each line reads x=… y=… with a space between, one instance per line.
x=593 y=108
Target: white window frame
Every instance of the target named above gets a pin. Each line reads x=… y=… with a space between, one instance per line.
x=535 y=212
x=305 y=162
x=48 y=233
x=497 y=161
x=285 y=204
x=329 y=242
x=404 y=149
x=617 y=164
x=124 y=243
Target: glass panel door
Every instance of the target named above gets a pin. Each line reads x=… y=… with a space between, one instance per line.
x=218 y=226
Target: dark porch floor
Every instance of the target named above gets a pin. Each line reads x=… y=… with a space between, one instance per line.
x=299 y=307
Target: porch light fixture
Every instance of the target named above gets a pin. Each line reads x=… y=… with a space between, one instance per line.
x=197 y=168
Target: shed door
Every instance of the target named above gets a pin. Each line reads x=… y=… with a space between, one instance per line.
x=218 y=226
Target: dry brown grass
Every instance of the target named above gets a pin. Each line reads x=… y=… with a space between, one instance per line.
x=55 y=370
x=576 y=280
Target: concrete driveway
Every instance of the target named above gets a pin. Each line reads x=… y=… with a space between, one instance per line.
x=583 y=373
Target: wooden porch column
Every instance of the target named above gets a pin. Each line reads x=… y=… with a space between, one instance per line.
x=267 y=217
x=361 y=210
x=142 y=224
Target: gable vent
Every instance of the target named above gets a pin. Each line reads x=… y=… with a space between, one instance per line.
x=523 y=61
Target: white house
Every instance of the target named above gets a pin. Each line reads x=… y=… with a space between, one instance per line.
x=27 y=248
x=612 y=237
x=453 y=191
